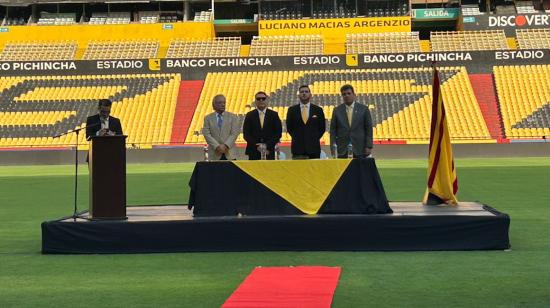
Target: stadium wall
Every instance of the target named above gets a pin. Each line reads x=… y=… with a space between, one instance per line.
x=82 y=34
x=193 y=154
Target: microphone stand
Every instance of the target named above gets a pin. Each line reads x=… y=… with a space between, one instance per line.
x=76 y=131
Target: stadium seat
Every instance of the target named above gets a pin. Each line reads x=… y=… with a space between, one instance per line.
x=524 y=98
x=392 y=42
x=468 y=40
x=471 y=10
x=143 y=49
x=149 y=17
x=286 y=45
x=399 y=99
x=38 y=51
x=144 y=103
x=533 y=38
x=216 y=47
x=203 y=16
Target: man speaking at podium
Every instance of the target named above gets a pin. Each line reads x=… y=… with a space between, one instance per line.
x=102 y=124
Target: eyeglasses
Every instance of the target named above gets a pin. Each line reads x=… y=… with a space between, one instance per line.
x=261 y=98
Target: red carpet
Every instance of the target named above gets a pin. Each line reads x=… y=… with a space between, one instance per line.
x=302 y=286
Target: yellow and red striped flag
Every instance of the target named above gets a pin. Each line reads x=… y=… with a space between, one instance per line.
x=442 y=179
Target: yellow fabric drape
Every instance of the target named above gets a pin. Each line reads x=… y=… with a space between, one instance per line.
x=305 y=184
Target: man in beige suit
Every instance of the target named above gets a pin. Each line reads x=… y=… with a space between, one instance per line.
x=221 y=129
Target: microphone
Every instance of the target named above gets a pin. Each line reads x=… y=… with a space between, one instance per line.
x=75 y=130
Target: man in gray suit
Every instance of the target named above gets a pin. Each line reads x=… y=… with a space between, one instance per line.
x=351 y=123
x=221 y=129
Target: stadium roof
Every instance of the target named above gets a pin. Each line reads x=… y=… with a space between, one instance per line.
x=29 y=2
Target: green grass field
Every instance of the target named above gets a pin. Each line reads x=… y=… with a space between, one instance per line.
x=520 y=277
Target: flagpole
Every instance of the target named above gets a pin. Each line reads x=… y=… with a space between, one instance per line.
x=442 y=181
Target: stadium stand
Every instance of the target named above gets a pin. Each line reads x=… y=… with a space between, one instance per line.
x=274 y=10
x=392 y=42
x=533 y=38
x=524 y=98
x=286 y=45
x=525 y=7
x=112 y=18
x=168 y=17
x=14 y=21
x=507 y=8
x=33 y=109
x=49 y=19
x=142 y=49
x=387 y=8
x=37 y=51
x=277 y=14
x=98 y=19
x=148 y=17
x=341 y=13
x=399 y=99
x=471 y=10
x=216 y=47
x=468 y=40
x=203 y=16
x=118 y=18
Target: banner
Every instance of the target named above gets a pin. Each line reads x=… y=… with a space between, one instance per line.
x=508 y=23
x=334 y=29
x=233 y=21
x=197 y=68
x=435 y=14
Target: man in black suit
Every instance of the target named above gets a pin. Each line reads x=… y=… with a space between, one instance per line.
x=102 y=124
x=261 y=125
x=305 y=122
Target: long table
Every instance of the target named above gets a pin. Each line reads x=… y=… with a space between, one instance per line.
x=287 y=187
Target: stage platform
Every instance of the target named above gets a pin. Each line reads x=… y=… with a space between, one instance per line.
x=412 y=227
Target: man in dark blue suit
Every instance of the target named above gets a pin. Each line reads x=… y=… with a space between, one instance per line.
x=305 y=122
x=351 y=124
x=102 y=124
x=261 y=125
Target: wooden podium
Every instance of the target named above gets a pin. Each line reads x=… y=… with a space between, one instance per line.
x=107 y=164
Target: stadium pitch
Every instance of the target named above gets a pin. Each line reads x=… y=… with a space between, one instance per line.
x=517 y=186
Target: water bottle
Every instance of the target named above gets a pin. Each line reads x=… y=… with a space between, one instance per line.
x=277 y=151
x=263 y=151
x=334 y=151
x=350 y=150
x=205 y=149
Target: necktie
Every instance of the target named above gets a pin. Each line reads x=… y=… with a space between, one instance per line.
x=262 y=117
x=304 y=114
x=220 y=121
x=349 y=111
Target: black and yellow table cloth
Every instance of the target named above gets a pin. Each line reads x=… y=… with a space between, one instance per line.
x=293 y=187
